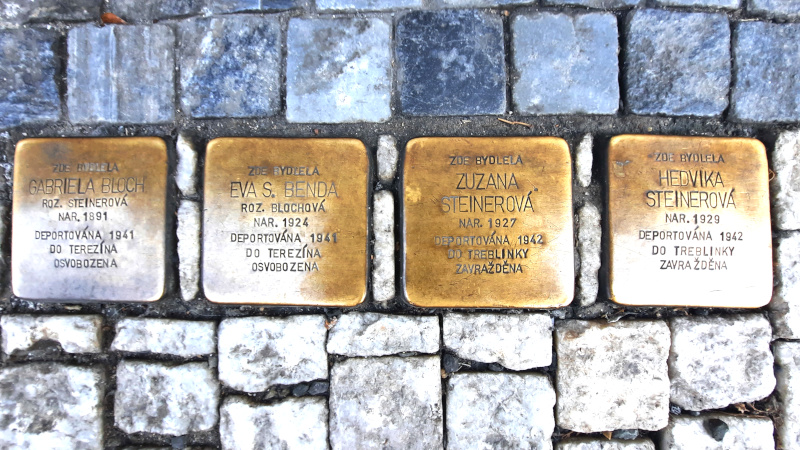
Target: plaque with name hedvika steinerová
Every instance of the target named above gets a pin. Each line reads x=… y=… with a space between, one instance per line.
x=89 y=219
x=285 y=221
x=689 y=221
x=488 y=222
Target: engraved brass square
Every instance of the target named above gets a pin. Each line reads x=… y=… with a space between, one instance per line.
x=689 y=221
x=87 y=215
x=488 y=222
x=285 y=221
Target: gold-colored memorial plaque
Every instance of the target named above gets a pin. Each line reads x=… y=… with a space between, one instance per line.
x=689 y=221
x=89 y=219
x=488 y=222
x=285 y=221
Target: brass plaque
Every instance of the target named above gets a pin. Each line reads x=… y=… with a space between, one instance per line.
x=689 y=221
x=285 y=221
x=488 y=222
x=89 y=219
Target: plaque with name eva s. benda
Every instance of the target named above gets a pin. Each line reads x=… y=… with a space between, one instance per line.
x=285 y=221
x=89 y=219
x=689 y=221
x=488 y=222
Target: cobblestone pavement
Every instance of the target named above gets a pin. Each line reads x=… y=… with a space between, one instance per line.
x=186 y=373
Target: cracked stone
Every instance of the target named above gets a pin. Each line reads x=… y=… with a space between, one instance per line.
x=73 y=334
x=622 y=364
x=292 y=423
x=518 y=342
x=165 y=399
x=258 y=352
x=486 y=410
x=394 y=401
x=184 y=338
x=61 y=409
x=717 y=361
x=373 y=334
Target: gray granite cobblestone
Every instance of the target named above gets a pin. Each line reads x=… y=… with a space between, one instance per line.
x=184 y=338
x=339 y=70
x=28 y=68
x=372 y=334
x=565 y=64
x=692 y=433
x=16 y=12
x=605 y=444
x=774 y=8
x=677 y=63
x=189 y=248
x=289 y=424
x=451 y=63
x=767 y=66
x=784 y=309
x=72 y=334
x=383 y=268
x=230 y=66
x=787 y=357
x=120 y=73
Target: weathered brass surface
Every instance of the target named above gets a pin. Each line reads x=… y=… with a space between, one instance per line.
x=285 y=221
x=689 y=221
x=488 y=222
x=89 y=219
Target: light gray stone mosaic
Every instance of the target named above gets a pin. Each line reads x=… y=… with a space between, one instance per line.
x=612 y=376
x=387 y=158
x=605 y=444
x=74 y=334
x=584 y=160
x=373 y=334
x=51 y=406
x=186 y=169
x=590 y=233
x=692 y=433
x=774 y=8
x=500 y=410
x=290 y=424
x=230 y=65
x=767 y=67
x=566 y=64
x=518 y=342
x=189 y=248
x=120 y=73
x=383 y=266
x=338 y=70
x=165 y=399
x=787 y=357
x=785 y=186
x=717 y=361
x=390 y=402
x=258 y=352
x=677 y=63
x=367 y=5
x=784 y=309
x=186 y=338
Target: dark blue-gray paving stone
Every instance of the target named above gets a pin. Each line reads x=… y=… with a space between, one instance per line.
x=24 y=11
x=120 y=73
x=138 y=11
x=566 y=64
x=229 y=6
x=775 y=8
x=767 y=67
x=276 y=5
x=367 y=5
x=677 y=63
x=339 y=70
x=451 y=62
x=230 y=66
x=713 y=4
x=28 y=91
x=599 y=4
